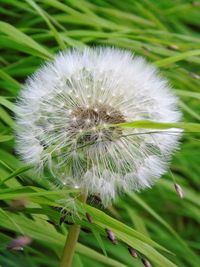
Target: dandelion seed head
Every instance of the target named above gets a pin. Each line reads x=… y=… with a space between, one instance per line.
x=65 y=109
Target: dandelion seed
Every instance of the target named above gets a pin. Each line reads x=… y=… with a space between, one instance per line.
x=88 y=121
x=111 y=236
x=179 y=190
x=89 y=217
x=109 y=160
x=133 y=252
x=19 y=243
x=146 y=263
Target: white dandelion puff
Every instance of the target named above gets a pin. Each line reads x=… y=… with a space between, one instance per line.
x=62 y=105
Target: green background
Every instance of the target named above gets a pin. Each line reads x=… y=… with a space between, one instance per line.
x=166 y=33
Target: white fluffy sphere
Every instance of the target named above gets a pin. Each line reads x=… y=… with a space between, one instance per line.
x=63 y=111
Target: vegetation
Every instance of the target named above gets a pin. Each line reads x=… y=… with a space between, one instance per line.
x=162 y=227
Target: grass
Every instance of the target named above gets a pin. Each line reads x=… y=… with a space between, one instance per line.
x=156 y=222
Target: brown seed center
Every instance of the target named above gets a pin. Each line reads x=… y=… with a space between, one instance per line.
x=93 y=116
x=85 y=121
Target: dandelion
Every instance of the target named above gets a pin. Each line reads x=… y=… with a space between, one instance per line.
x=179 y=190
x=63 y=118
x=63 y=104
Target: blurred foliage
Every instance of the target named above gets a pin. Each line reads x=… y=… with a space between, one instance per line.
x=156 y=222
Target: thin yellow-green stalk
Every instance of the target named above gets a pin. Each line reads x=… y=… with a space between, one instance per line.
x=72 y=238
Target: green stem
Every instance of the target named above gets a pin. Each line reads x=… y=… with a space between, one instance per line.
x=72 y=238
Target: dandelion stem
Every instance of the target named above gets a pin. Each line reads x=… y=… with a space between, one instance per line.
x=72 y=238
